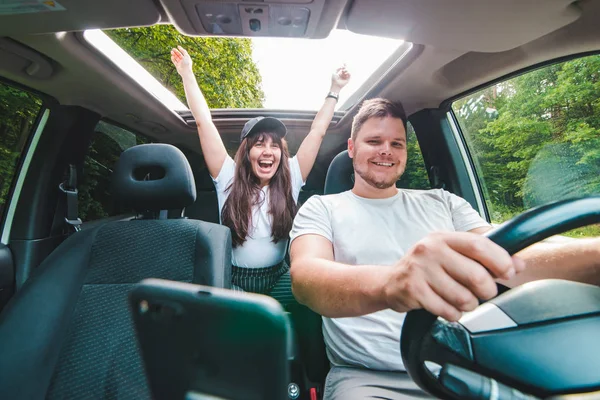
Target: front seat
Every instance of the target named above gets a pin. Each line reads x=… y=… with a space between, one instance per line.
x=68 y=333
x=340 y=174
x=308 y=324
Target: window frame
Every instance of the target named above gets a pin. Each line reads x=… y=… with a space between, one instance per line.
x=467 y=157
x=446 y=106
x=22 y=166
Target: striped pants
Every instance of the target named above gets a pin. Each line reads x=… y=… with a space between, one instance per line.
x=273 y=281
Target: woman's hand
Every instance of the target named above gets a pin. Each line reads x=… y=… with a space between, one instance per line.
x=340 y=78
x=182 y=60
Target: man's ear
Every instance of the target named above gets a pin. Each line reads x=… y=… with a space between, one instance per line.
x=350 y=148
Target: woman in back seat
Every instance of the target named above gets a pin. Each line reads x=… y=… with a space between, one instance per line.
x=258 y=191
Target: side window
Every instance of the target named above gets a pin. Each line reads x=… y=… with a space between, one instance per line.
x=108 y=142
x=415 y=176
x=535 y=138
x=18 y=112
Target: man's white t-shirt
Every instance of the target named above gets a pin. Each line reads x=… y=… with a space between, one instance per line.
x=258 y=251
x=377 y=232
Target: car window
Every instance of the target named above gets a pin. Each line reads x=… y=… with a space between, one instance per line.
x=535 y=138
x=18 y=113
x=108 y=142
x=415 y=176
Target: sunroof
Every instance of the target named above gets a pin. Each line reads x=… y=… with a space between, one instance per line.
x=132 y=68
x=296 y=73
x=273 y=73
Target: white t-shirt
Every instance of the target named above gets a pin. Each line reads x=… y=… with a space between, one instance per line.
x=258 y=251
x=378 y=232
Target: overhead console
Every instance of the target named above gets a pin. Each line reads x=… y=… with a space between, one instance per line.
x=274 y=18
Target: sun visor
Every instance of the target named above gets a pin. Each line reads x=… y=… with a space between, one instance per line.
x=37 y=16
x=483 y=26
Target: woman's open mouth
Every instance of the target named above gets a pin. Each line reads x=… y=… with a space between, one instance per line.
x=265 y=166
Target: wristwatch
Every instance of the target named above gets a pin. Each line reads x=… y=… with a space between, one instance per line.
x=334 y=95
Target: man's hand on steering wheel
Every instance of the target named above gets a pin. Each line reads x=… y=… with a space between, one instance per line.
x=447 y=274
x=425 y=338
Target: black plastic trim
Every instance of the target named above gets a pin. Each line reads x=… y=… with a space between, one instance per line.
x=226 y=114
x=7 y=275
x=441 y=151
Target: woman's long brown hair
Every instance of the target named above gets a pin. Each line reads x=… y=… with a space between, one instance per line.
x=245 y=192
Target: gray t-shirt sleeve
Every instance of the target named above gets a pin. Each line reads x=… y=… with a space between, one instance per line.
x=464 y=217
x=314 y=217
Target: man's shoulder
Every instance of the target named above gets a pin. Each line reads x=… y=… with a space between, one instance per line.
x=329 y=200
x=421 y=194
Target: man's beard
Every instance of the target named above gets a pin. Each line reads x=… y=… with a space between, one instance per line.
x=371 y=180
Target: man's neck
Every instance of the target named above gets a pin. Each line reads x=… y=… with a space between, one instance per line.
x=363 y=189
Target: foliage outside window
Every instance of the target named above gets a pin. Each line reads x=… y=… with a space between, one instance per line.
x=415 y=175
x=18 y=113
x=95 y=197
x=223 y=67
x=535 y=138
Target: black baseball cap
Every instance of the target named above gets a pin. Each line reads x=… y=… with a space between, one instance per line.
x=263 y=124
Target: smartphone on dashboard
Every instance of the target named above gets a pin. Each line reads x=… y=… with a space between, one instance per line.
x=200 y=342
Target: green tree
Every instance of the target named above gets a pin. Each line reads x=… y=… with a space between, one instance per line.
x=415 y=174
x=223 y=67
x=536 y=138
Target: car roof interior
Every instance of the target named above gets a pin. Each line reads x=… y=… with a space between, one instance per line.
x=470 y=46
x=452 y=47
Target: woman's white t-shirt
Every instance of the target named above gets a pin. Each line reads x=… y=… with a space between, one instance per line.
x=258 y=251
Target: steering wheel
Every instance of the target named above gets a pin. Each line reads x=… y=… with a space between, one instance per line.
x=421 y=332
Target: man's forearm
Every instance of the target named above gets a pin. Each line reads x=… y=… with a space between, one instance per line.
x=576 y=260
x=337 y=290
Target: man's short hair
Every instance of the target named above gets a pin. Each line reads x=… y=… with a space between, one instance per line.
x=377 y=108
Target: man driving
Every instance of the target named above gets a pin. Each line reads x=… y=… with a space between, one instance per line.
x=365 y=257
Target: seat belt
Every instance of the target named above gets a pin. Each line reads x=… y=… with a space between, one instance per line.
x=69 y=188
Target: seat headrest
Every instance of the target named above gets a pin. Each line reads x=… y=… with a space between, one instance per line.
x=340 y=174
x=153 y=177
